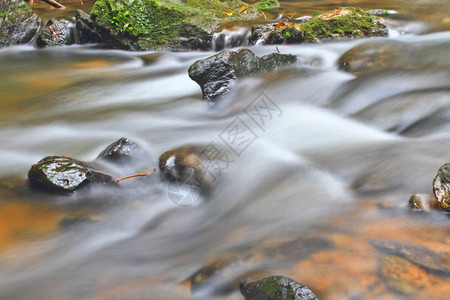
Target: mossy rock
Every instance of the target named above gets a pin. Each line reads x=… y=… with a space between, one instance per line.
x=347 y=22
x=18 y=23
x=61 y=35
x=441 y=187
x=164 y=24
x=267 y=4
x=65 y=174
x=275 y=288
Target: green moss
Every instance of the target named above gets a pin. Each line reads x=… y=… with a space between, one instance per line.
x=160 y=23
x=353 y=24
x=271 y=286
x=267 y=4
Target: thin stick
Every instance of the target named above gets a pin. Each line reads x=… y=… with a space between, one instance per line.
x=135 y=175
x=54 y=3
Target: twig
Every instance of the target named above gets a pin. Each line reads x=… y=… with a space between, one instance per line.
x=52 y=3
x=135 y=175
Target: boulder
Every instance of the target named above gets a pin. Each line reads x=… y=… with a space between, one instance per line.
x=18 y=23
x=345 y=22
x=216 y=73
x=62 y=34
x=274 y=288
x=165 y=24
x=87 y=33
x=441 y=187
x=65 y=174
x=192 y=165
x=128 y=157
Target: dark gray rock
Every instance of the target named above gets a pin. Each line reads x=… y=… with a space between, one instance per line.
x=86 y=31
x=275 y=288
x=18 y=23
x=258 y=32
x=65 y=174
x=62 y=34
x=216 y=73
x=128 y=157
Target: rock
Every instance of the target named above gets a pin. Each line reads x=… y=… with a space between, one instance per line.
x=197 y=166
x=345 y=22
x=215 y=73
x=441 y=187
x=418 y=255
x=275 y=288
x=125 y=152
x=257 y=32
x=65 y=174
x=87 y=33
x=396 y=272
x=62 y=35
x=267 y=4
x=221 y=277
x=422 y=202
x=162 y=24
x=18 y=23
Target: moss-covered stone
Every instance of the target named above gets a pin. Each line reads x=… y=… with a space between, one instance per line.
x=267 y=4
x=274 y=288
x=156 y=24
x=441 y=187
x=346 y=22
x=18 y=23
x=59 y=34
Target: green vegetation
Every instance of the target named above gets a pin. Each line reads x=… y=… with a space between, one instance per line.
x=160 y=23
x=267 y=4
x=350 y=22
x=276 y=288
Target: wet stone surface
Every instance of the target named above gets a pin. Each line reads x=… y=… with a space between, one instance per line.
x=65 y=174
x=216 y=73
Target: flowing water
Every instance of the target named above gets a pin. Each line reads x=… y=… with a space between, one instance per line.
x=325 y=169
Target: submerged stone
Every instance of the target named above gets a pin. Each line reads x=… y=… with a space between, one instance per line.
x=441 y=187
x=418 y=255
x=18 y=23
x=61 y=34
x=398 y=275
x=198 y=166
x=65 y=174
x=216 y=73
x=275 y=288
x=345 y=22
x=165 y=24
x=421 y=202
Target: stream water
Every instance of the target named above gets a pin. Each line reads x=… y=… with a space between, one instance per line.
x=330 y=170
